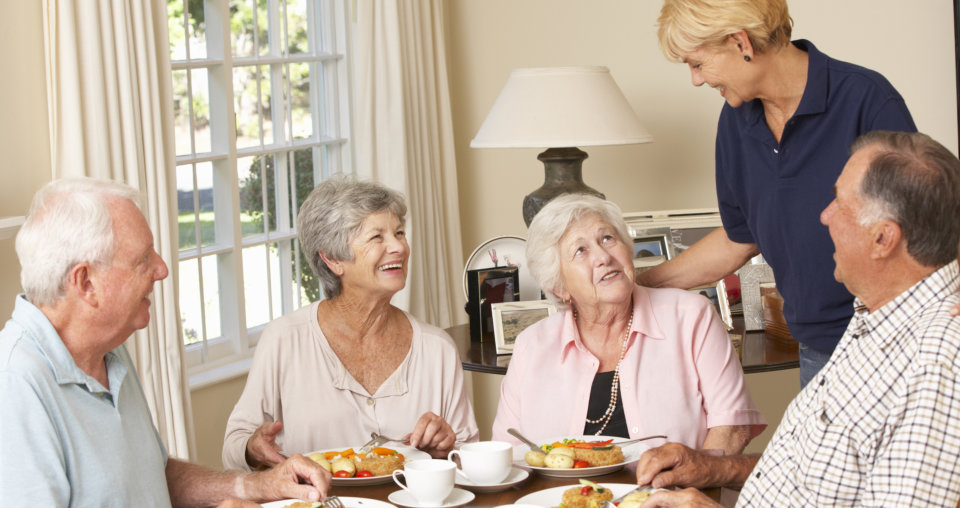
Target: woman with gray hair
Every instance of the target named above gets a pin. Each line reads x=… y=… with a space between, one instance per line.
x=329 y=374
x=619 y=359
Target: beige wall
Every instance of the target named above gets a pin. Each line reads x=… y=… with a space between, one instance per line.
x=24 y=141
x=211 y=408
x=911 y=43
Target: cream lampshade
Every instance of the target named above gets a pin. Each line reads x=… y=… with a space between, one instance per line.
x=560 y=108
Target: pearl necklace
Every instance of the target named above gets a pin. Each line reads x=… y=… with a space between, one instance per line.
x=615 y=386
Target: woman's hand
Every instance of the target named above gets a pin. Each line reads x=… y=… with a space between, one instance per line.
x=691 y=498
x=433 y=435
x=262 y=446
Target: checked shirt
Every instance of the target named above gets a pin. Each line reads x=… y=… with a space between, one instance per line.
x=880 y=424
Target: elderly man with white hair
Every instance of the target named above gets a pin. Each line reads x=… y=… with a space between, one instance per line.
x=76 y=430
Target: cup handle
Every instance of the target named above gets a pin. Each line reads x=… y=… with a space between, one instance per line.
x=459 y=471
x=395 y=480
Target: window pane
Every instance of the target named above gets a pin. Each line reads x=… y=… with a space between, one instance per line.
x=297 y=26
x=205 y=197
x=178 y=45
x=246 y=99
x=211 y=296
x=201 y=109
x=270 y=174
x=181 y=113
x=251 y=195
x=255 y=285
x=300 y=100
x=186 y=220
x=263 y=33
x=241 y=27
x=309 y=284
x=190 y=317
x=276 y=257
x=266 y=104
x=198 y=29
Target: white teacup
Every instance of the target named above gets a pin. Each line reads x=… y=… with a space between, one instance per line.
x=429 y=481
x=485 y=462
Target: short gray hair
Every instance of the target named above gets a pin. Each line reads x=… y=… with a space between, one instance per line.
x=915 y=182
x=330 y=219
x=549 y=226
x=69 y=223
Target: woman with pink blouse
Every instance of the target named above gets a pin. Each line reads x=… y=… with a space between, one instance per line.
x=619 y=359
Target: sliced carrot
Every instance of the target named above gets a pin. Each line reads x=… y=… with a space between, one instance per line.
x=330 y=455
x=383 y=451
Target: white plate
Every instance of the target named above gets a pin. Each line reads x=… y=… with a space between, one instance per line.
x=409 y=453
x=553 y=496
x=348 y=502
x=458 y=497
x=516 y=476
x=510 y=250
x=630 y=454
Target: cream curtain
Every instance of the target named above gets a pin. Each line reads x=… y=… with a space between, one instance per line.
x=405 y=140
x=111 y=116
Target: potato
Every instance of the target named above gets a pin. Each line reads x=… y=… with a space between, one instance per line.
x=558 y=461
x=564 y=450
x=534 y=459
x=343 y=464
x=634 y=500
x=320 y=459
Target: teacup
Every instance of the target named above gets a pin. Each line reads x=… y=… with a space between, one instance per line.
x=429 y=481
x=485 y=462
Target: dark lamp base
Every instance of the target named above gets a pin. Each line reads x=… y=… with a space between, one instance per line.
x=563 y=174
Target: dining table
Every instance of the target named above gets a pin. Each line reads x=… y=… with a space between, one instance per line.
x=534 y=483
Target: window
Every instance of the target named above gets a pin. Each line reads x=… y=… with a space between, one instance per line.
x=260 y=91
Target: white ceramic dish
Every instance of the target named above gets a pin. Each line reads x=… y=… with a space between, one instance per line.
x=348 y=502
x=458 y=497
x=516 y=476
x=409 y=453
x=553 y=496
x=510 y=250
x=630 y=454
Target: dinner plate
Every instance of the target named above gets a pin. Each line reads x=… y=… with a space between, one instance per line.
x=457 y=497
x=631 y=453
x=516 y=476
x=348 y=502
x=508 y=251
x=553 y=496
x=409 y=453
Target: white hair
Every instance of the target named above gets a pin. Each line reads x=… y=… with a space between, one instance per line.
x=69 y=223
x=549 y=226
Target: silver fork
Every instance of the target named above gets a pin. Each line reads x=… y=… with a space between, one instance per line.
x=377 y=440
x=333 y=502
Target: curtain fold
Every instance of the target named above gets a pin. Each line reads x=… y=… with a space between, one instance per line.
x=404 y=140
x=111 y=116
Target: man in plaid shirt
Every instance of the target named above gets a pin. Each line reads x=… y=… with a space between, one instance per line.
x=880 y=424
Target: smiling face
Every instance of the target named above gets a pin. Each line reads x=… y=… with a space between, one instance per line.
x=723 y=68
x=125 y=285
x=380 y=254
x=596 y=267
x=851 y=240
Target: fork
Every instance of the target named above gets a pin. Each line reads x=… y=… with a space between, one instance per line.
x=613 y=503
x=377 y=440
x=332 y=502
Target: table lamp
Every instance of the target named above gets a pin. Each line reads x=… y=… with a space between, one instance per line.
x=563 y=108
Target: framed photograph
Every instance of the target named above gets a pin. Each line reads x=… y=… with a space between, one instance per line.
x=650 y=248
x=717 y=294
x=683 y=227
x=487 y=286
x=509 y=319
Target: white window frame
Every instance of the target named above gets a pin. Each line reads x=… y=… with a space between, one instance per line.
x=210 y=360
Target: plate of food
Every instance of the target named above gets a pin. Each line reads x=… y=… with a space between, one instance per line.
x=503 y=251
x=586 y=494
x=352 y=469
x=578 y=456
x=348 y=502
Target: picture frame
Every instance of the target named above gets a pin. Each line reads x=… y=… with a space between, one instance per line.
x=487 y=286
x=717 y=294
x=683 y=227
x=651 y=248
x=511 y=318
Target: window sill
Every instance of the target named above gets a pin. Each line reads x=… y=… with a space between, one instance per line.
x=208 y=375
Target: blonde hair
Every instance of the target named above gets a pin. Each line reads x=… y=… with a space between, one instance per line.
x=686 y=25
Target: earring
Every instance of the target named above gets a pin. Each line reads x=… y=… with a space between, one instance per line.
x=746 y=58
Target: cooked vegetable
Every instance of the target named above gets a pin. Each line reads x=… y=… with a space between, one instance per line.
x=558 y=461
x=364 y=474
x=563 y=450
x=343 y=464
x=535 y=459
x=342 y=474
x=578 y=464
x=319 y=458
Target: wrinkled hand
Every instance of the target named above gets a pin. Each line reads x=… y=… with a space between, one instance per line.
x=673 y=464
x=297 y=477
x=236 y=503
x=690 y=498
x=262 y=448
x=433 y=435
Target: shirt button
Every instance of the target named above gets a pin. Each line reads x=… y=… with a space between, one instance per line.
x=636 y=429
x=370 y=402
x=776 y=150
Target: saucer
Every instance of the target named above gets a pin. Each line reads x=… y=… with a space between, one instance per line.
x=457 y=497
x=516 y=476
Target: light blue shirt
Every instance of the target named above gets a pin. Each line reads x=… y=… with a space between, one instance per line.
x=65 y=440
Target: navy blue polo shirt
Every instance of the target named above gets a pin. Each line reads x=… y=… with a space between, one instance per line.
x=772 y=193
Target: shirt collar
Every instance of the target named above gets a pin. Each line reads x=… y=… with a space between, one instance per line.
x=644 y=323
x=814 y=100
x=883 y=322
